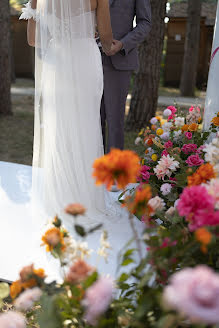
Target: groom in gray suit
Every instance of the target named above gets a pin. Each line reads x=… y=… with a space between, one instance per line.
x=119 y=63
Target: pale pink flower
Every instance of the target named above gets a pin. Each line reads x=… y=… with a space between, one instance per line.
x=166 y=188
x=167 y=112
x=12 y=319
x=153 y=121
x=195 y=294
x=97 y=299
x=213 y=189
x=156 y=204
x=27 y=299
x=194 y=160
x=166 y=166
x=171 y=211
x=165 y=136
x=137 y=141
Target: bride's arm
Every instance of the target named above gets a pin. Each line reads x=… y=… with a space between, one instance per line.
x=104 y=24
x=31 y=27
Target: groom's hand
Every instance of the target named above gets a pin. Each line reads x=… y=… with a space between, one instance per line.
x=115 y=48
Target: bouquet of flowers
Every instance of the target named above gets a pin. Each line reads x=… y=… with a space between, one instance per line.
x=174 y=150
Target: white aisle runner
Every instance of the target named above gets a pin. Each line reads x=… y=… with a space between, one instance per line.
x=20 y=234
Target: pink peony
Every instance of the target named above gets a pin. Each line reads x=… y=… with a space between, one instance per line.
x=144 y=174
x=204 y=218
x=189 y=148
x=27 y=299
x=97 y=299
x=12 y=319
x=173 y=110
x=188 y=135
x=196 y=204
x=194 y=160
x=194 y=292
x=168 y=144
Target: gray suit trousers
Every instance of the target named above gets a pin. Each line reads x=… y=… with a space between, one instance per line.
x=116 y=87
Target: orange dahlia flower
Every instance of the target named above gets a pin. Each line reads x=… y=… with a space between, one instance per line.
x=185 y=127
x=215 y=121
x=193 y=127
x=120 y=166
x=52 y=238
x=138 y=203
x=203 y=174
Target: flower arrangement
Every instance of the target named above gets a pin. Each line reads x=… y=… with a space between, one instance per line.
x=176 y=283
x=175 y=153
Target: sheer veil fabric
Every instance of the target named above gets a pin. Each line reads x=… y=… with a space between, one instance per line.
x=69 y=87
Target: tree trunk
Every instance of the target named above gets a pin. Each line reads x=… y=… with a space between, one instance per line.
x=5 y=60
x=191 y=52
x=145 y=90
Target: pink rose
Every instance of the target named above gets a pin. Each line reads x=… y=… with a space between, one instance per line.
x=164 y=153
x=194 y=292
x=189 y=148
x=194 y=160
x=97 y=299
x=168 y=144
x=200 y=149
x=192 y=108
x=188 y=135
x=144 y=174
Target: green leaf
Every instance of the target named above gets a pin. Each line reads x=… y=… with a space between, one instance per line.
x=127 y=262
x=4 y=290
x=80 y=230
x=123 y=277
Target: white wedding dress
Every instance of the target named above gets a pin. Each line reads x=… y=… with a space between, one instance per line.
x=67 y=140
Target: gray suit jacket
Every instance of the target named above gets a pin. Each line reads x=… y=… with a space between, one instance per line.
x=123 y=13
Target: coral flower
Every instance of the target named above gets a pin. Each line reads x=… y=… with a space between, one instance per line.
x=193 y=127
x=204 y=173
x=75 y=209
x=52 y=238
x=120 y=166
x=215 y=121
x=78 y=272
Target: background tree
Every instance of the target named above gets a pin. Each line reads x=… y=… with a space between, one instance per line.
x=145 y=89
x=5 y=61
x=191 y=53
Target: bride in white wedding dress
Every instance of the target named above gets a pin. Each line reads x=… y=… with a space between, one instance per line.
x=67 y=134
